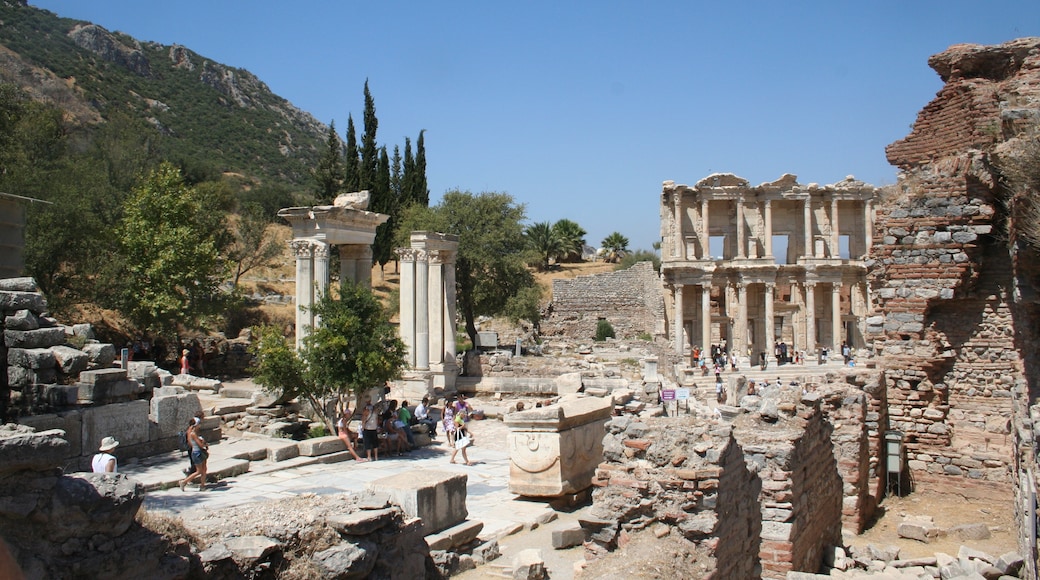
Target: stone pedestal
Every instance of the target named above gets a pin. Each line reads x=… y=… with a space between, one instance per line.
x=554 y=451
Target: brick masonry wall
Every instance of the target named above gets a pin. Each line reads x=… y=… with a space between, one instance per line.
x=759 y=496
x=944 y=326
x=632 y=300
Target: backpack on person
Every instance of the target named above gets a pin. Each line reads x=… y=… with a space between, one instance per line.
x=182 y=440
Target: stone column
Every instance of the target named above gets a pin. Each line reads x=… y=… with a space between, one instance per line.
x=705 y=315
x=742 y=318
x=422 y=315
x=449 y=312
x=321 y=274
x=406 y=260
x=767 y=207
x=770 y=330
x=835 y=247
x=807 y=226
x=680 y=244
x=810 y=316
x=436 y=309
x=348 y=257
x=835 y=316
x=705 y=236
x=868 y=225
x=677 y=329
x=740 y=228
x=301 y=249
x=363 y=266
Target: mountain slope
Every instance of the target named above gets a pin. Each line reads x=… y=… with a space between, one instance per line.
x=207 y=111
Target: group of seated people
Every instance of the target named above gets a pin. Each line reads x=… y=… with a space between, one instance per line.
x=393 y=429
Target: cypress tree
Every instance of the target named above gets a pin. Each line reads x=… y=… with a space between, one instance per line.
x=369 y=148
x=351 y=165
x=395 y=173
x=422 y=191
x=329 y=173
x=408 y=177
x=383 y=201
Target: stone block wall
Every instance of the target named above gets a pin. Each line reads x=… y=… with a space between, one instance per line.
x=632 y=300
x=761 y=496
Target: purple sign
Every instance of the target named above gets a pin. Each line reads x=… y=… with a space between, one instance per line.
x=668 y=395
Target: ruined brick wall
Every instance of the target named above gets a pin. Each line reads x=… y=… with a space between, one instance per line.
x=942 y=279
x=632 y=300
x=761 y=496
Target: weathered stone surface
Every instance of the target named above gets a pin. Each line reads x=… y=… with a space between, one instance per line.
x=70 y=360
x=439 y=498
x=31 y=358
x=321 y=446
x=566 y=536
x=171 y=413
x=347 y=560
x=22 y=320
x=554 y=450
x=457 y=535
x=22 y=449
x=127 y=422
x=94 y=503
x=70 y=422
x=100 y=355
x=12 y=300
x=19 y=284
x=39 y=338
x=247 y=550
x=971 y=532
x=361 y=522
x=529 y=565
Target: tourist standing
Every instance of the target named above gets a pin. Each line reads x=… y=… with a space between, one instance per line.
x=345 y=434
x=104 y=461
x=370 y=431
x=185 y=362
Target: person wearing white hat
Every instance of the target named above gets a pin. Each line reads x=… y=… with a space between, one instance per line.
x=105 y=462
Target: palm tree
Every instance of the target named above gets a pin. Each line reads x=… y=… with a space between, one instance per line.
x=614 y=246
x=543 y=240
x=573 y=237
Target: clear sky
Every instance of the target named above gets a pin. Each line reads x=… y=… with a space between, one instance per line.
x=580 y=109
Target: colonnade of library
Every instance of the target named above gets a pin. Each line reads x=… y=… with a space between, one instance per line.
x=749 y=267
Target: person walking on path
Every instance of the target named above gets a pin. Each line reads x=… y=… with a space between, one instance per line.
x=104 y=461
x=199 y=457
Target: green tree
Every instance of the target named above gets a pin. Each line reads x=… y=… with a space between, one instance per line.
x=351 y=163
x=632 y=258
x=383 y=201
x=542 y=238
x=573 y=238
x=171 y=239
x=614 y=246
x=328 y=175
x=369 y=170
x=421 y=190
x=251 y=247
x=354 y=349
x=489 y=268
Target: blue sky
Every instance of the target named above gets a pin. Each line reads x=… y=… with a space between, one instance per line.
x=580 y=110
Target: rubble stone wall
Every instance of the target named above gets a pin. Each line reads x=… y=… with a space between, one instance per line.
x=942 y=280
x=765 y=484
x=632 y=300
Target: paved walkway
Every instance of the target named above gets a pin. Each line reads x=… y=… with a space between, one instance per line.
x=242 y=482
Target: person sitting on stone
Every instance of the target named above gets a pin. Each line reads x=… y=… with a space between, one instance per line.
x=394 y=438
x=348 y=437
x=404 y=423
x=422 y=416
x=104 y=461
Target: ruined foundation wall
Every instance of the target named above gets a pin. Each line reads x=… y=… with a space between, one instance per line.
x=631 y=300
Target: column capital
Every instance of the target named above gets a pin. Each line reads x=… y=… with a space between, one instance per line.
x=741 y=285
x=321 y=250
x=769 y=285
x=421 y=255
x=810 y=283
x=438 y=256
x=301 y=248
x=405 y=254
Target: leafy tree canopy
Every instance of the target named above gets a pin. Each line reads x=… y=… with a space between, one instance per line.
x=614 y=246
x=489 y=268
x=545 y=241
x=355 y=348
x=171 y=239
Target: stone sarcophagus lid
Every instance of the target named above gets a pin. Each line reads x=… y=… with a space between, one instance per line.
x=554 y=450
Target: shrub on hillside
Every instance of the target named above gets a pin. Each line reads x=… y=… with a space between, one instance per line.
x=604 y=330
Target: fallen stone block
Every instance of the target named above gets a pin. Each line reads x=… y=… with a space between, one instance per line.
x=61 y=395
x=247 y=550
x=1010 y=564
x=102 y=376
x=39 y=338
x=971 y=532
x=486 y=552
x=22 y=320
x=347 y=560
x=321 y=446
x=966 y=553
x=921 y=529
x=361 y=522
x=99 y=354
x=12 y=300
x=455 y=536
x=529 y=565
x=19 y=284
x=70 y=360
x=566 y=536
x=276 y=429
x=438 y=497
x=283 y=452
x=31 y=358
x=237 y=393
x=22 y=449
